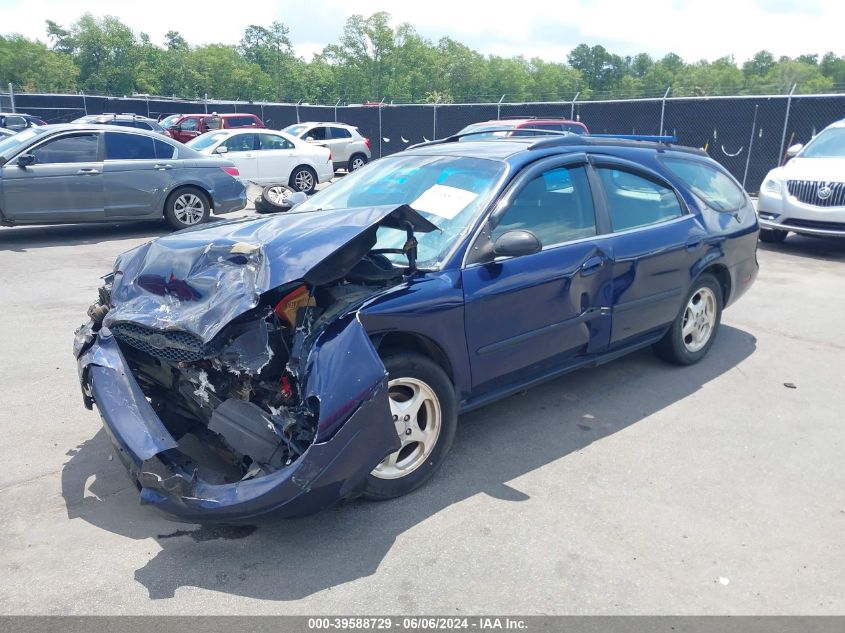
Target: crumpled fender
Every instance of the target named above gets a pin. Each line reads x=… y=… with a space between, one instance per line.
x=355 y=432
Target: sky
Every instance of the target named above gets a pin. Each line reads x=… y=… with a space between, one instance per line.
x=547 y=29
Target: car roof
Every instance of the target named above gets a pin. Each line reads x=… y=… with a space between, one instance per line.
x=337 y=123
x=520 y=150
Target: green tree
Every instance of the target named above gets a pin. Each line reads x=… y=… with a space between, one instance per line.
x=31 y=66
x=271 y=50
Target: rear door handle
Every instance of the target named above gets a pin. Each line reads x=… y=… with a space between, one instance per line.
x=87 y=171
x=163 y=167
x=593 y=265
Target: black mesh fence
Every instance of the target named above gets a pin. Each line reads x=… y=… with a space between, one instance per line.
x=748 y=135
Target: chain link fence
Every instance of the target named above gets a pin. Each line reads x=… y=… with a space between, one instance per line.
x=746 y=134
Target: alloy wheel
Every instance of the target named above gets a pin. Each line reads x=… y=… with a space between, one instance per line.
x=189 y=209
x=699 y=319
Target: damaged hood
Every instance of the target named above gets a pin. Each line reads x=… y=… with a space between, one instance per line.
x=198 y=280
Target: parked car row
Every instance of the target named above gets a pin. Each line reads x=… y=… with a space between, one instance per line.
x=16 y=121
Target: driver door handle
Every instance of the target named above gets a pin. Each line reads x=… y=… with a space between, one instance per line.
x=162 y=167
x=593 y=265
x=87 y=171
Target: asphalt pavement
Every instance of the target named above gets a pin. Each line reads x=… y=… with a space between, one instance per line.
x=634 y=488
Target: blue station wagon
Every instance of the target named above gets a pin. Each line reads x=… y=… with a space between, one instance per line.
x=272 y=366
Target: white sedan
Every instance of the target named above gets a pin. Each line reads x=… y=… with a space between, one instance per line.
x=268 y=157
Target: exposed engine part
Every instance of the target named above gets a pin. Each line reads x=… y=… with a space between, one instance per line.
x=290 y=304
x=251 y=431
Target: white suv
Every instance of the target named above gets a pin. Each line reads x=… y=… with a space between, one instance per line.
x=350 y=149
x=807 y=195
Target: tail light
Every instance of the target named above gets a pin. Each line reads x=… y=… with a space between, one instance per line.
x=367 y=143
x=232 y=171
x=330 y=156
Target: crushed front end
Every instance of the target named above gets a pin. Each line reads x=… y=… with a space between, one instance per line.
x=260 y=402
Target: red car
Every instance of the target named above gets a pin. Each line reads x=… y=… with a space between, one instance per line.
x=184 y=127
x=521 y=127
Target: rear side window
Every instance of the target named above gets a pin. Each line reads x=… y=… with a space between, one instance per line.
x=164 y=150
x=339 y=132
x=635 y=201
x=80 y=148
x=240 y=121
x=708 y=183
x=129 y=147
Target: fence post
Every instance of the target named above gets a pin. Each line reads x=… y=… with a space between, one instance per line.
x=380 y=106
x=205 y=102
x=434 y=129
x=84 y=102
x=12 y=97
x=148 y=105
x=750 y=145
x=499 y=108
x=335 y=110
x=663 y=109
x=297 y=110
x=786 y=123
x=572 y=111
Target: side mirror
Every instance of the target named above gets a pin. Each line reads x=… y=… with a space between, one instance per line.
x=516 y=243
x=793 y=151
x=25 y=160
x=221 y=149
x=297 y=197
x=309 y=138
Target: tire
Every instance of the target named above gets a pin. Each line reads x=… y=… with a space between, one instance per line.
x=410 y=376
x=772 y=236
x=303 y=179
x=356 y=161
x=273 y=198
x=694 y=329
x=186 y=207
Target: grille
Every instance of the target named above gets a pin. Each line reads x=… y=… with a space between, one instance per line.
x=807 y=191
x=812 y=224
x=174 y=346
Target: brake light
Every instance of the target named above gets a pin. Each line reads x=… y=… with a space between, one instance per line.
x=367 y=143
x=232 y=171
x=330 y=157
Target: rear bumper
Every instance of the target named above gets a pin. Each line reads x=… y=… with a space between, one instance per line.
x=328 y=471
x=229 y=199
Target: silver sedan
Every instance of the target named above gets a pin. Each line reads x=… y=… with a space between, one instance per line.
x=69 y=173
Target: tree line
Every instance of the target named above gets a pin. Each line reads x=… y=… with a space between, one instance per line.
x=373 y=61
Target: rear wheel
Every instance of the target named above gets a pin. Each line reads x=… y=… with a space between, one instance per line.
x=186 y=207
x=356 y=162
x=772 y=236
x=694 y=329
x=424 y=409
x=303 y=179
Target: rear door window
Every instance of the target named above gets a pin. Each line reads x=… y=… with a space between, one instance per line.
x=164 y=150
x=635 y=201
x=271 y=141
x=339 y=132
x=129 y=147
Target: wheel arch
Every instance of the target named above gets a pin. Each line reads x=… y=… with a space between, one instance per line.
x=414 y=342
x=723 y=276
x=188 y=185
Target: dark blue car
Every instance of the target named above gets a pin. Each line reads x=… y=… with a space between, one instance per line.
x=273 y=366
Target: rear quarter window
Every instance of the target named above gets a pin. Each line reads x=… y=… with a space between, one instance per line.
x=716 y=189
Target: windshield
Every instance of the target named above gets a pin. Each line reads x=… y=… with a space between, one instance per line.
x=294 y=130
x=169 y=121
x=8 y=145
x=450 y=191
x=205 y=141
x=830 y=143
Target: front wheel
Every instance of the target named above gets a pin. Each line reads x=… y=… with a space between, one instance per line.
x=694 y=329
x=304 y=179
x=186 y=207
x=424 y=409
x=772 y=236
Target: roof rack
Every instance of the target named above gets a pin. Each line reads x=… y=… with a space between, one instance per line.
x=457 y=137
